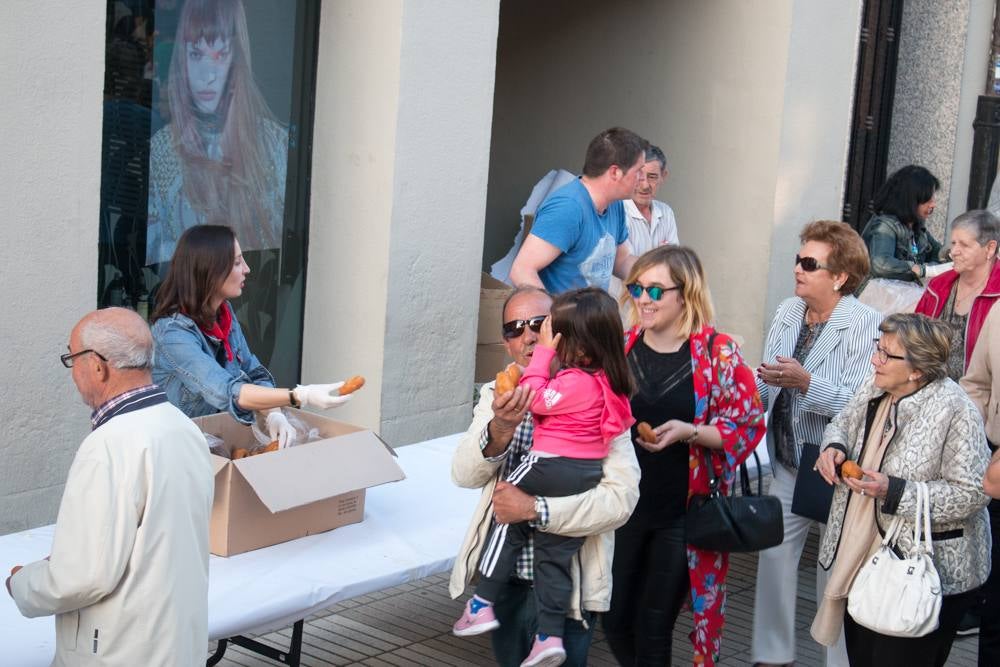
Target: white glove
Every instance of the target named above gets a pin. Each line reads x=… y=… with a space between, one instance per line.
x=322 y=396
x=279 y=429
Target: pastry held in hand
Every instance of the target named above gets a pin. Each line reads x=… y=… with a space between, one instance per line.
x=646 y=432
x=507 y=379
x=351 y=385
x=851 y=469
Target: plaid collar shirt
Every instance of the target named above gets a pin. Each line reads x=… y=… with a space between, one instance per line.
x=520 y=445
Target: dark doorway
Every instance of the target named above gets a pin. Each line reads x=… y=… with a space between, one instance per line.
x=874 y=88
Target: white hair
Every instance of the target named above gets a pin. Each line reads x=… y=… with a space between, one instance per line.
x=122 y=347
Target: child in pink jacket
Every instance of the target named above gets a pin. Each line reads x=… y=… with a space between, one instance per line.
x=582 y=386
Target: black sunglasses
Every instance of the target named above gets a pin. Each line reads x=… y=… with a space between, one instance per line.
x=67 y=359
x=655 y=292
x=810 y=264
x=515 y=328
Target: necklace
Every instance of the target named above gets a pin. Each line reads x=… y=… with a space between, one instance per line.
x=974 y=292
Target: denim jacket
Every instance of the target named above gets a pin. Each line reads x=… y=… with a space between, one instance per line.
x=193 y=370
x=894 y=248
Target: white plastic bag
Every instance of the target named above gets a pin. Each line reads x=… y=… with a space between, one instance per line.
x=891 y=296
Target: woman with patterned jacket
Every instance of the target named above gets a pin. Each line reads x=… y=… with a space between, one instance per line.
x=700 y=398
x=909 y=423
x=815 y=357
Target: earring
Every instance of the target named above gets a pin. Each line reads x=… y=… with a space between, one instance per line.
x=836 y=287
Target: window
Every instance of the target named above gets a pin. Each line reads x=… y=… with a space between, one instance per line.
x=208 y=120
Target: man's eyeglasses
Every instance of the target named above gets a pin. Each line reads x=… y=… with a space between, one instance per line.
x=515 y=328
x=655 y=292
x=883 y=355
x=810 y=264
x=67 y=359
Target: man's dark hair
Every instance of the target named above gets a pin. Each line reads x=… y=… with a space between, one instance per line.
x=614 y=146
x=904 y=191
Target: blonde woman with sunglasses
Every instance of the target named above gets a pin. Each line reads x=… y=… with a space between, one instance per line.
x=699 y=398
x=815 y=357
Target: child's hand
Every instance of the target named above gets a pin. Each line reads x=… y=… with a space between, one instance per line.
x=545 y=336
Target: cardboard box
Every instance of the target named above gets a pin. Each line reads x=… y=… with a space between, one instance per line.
x=490 y=360
x=492 y=294
x=306 y=489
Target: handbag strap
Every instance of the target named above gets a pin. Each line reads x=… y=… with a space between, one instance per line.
x=923 y=516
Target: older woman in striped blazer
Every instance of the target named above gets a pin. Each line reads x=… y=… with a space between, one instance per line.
x=816 y=355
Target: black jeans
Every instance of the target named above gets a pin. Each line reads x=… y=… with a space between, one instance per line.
x=867 y=648
x=553 y=554
x=989 y=611
x=515 y=609
x=650 y=584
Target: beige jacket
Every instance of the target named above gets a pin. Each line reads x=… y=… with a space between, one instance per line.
x=594 y=514
x=981 y=382
x=128 y=576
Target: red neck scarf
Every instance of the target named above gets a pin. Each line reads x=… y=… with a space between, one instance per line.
x=223 y=325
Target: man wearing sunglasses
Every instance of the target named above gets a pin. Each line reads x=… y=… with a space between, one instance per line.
x=500 y=434
x=127 y=579
x=579 y=235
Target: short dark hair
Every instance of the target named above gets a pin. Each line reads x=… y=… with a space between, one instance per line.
x=904 y=191
x=656 y=153
x=201 y=262
x=613 y=146
x=848 y=252
x=592 y=335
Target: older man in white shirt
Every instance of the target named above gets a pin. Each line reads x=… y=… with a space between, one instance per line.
x=650 y=222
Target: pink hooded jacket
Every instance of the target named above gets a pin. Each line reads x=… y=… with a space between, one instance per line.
x=577 y=414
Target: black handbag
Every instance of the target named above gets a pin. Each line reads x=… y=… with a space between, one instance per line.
x=812 y=495
x=716 y=522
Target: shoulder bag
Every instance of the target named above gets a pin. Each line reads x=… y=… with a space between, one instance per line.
x=900 y=597
x=717 y=522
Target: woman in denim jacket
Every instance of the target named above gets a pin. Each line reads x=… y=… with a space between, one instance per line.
x=202 y=360
x=899 y=245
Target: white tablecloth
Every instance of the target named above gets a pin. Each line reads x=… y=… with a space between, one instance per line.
x=412 y=529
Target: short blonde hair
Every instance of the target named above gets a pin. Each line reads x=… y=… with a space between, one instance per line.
x=926 y=342
x=686 y=272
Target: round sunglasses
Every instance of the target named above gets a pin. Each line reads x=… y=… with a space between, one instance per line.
x=655 y=292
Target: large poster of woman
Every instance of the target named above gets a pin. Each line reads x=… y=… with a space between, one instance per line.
x=222 y=158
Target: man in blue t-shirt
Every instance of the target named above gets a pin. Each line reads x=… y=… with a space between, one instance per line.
x=578 y=239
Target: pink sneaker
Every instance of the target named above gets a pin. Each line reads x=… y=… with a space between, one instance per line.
x=475 y=622
x=547 y=652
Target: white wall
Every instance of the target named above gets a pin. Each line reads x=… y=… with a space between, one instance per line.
x=815 y=131
x=974 y=68
x=703 y=80
x=399 y=189
x=53 y=76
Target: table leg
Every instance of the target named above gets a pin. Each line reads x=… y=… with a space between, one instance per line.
x=220 y=652
x=291 y=657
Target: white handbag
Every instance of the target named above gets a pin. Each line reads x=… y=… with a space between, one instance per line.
x=900 y=597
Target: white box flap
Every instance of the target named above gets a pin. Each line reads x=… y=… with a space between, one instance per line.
x=317 y=470
x=218 y=463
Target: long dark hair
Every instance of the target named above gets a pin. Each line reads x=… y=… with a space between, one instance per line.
x=592 y=335
x=904 y=191
x=201 y=262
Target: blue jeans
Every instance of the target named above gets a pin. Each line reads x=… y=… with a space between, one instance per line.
x=515 y=609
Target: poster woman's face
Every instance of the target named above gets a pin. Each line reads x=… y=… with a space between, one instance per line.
x=208 y=69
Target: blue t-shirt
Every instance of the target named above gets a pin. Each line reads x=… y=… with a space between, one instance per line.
x=588 y=240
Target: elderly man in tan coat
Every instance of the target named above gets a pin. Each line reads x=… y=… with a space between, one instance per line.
x=128 y=575
x=500 y=433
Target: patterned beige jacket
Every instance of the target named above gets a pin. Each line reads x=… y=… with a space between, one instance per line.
x=939 y=440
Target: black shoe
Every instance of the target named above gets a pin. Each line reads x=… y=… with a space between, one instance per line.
x=969 y=625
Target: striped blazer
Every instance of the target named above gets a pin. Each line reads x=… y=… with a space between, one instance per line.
x=838 y=362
